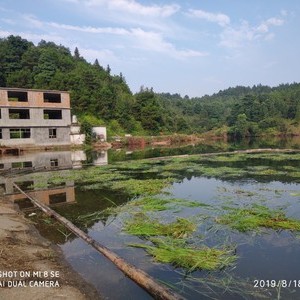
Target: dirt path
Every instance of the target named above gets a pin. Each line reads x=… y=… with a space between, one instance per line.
x=32 y=268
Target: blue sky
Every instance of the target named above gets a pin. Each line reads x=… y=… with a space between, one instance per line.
x=192 y=47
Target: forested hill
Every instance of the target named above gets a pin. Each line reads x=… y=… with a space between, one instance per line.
x=245 y=110
x=99 y=97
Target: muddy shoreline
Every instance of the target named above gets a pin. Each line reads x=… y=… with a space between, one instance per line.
x=32 y=267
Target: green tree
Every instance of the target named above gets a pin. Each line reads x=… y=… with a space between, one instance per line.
x=148 y=111
x=240 y=129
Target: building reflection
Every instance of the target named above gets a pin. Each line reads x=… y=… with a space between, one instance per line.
x=18 y=169
x=100 y=158
x=51 y=196
x=50 y=160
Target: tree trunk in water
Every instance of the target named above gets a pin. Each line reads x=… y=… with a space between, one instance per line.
x=140 y=277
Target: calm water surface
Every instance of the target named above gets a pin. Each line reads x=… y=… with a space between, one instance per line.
x=261 y=255
x=265 y=255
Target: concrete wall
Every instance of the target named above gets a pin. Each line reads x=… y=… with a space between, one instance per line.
x=36 y=119
x=39 y=136
x=35 y=99
x=39 y=126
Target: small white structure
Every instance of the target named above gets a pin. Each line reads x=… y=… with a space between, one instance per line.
x=77 y=139
x=75 y=136
x=74 y=119
x=101 y=158
x=75 y=129
x=77 y=158
x=100 y=133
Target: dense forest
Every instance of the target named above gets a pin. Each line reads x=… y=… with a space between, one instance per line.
x=99 y=97
x=241 y=111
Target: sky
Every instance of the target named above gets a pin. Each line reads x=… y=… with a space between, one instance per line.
x=192 y=47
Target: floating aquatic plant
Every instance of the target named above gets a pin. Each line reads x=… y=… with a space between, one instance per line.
x=160 y=204
x=142 y=225
x=179 y=254
x=141 y=186
x=257 y=216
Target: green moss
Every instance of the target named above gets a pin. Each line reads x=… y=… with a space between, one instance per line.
x=179 y=254
x=258 y=216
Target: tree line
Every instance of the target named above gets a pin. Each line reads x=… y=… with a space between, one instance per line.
x=99 y=97
x=242 y=111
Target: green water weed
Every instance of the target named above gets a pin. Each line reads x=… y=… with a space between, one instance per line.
x=142 y=225
x=256 y=217
x=179 y=254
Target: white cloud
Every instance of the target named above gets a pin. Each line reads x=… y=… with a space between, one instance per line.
x=233 y=38
x=33 y=21
x=90 y=29
x=219 y=18
x=264 y=26
x=240 y=36
x=133 y=7
x=35 y=38
x=104 y=56
x=154 y=41
x=5 y=33
x=270 y=64
x=5 y=9
x=134 y=38
x=284 y=13
x=8 y=21
x=269 y=36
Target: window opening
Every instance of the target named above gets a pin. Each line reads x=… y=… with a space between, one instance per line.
x=15 y=113
x=24 y=185
x=17 y=96
x=54 y=162
x=52 y=98
x=57 y=198
x=21 y=164
x=24 y=203
x=20 y=133
x=52 y=133
x=52 y=114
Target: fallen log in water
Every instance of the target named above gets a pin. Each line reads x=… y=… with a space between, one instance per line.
x=140 y=277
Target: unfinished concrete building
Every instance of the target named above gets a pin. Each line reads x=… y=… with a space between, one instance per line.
x=34 y=118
